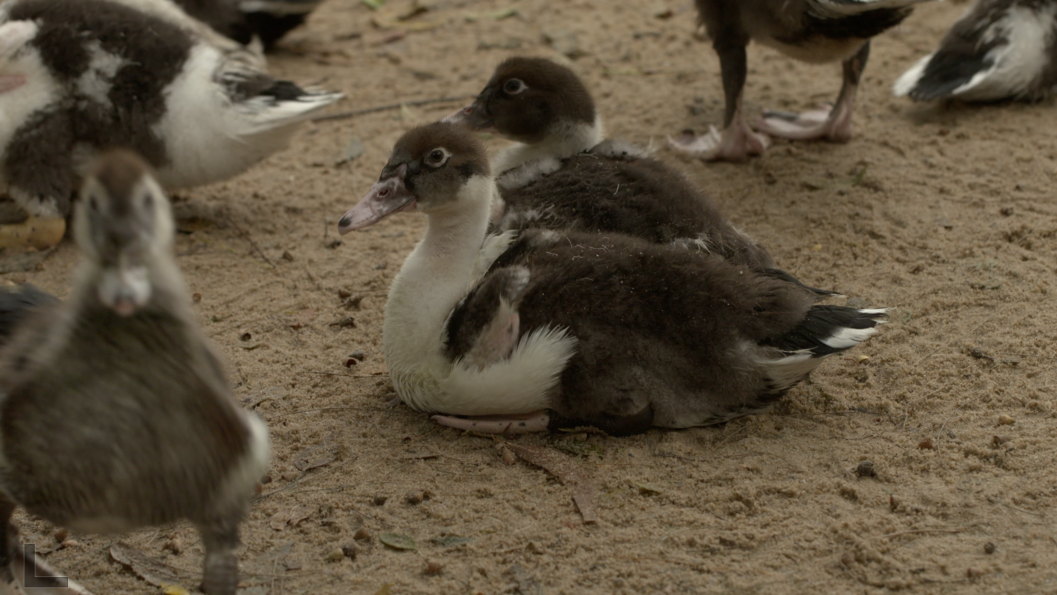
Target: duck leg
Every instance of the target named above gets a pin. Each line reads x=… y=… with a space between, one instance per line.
x=525 y=423
x=737 y=141
x=832 y=123
x=221 y=571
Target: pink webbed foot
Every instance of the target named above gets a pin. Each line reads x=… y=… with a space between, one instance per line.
x=832 y=123
x=736 y=143
x=497 y=424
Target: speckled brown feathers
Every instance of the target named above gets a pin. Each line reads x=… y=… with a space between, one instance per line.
x=639 y=197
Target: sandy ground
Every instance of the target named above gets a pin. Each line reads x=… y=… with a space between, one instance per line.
x=944 y=212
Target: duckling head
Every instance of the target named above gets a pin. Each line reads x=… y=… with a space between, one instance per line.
x=433 y=168
x=529 y=100
x=122 y=224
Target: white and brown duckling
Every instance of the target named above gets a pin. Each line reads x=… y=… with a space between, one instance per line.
x=246 y=20
x=578 y=329
x=80 y=76
x=562 y=175
x=115 y=412
x=809 y=30
x=1000 y=49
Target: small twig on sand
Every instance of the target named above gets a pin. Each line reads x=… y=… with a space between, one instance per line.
x=391 y=106
x=249 y=239
x=915 y=531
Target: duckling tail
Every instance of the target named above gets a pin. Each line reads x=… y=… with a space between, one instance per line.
x=825 y=330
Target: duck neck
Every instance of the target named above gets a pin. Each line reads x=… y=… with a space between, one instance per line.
x=435 y=276
x=568 y=138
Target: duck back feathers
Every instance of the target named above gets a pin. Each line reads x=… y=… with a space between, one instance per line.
x=133 y=73
x=1000 y=49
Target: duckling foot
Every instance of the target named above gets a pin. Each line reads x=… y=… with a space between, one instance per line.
x=498 y=424
x=832 y=123
x=736 y=143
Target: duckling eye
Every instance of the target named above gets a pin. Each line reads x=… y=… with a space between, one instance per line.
x=514 y=86
x=437 y=158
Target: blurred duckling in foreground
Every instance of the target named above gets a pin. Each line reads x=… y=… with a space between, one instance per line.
x=115 y=412
x=80 y=76
x=568 y=329
x=1000 y=49
x=562 y=174
x=814 y=31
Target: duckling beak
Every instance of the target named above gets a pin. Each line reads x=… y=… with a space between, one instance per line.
x=124 y=289
x=386 y=197
x=473 y=117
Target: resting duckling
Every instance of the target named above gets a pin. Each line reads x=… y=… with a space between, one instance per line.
x=1000 y=49
x=810 y=30
x=80 y=76
x=244 y=20
x=578 y=329
x=115 y=412
x=561 y=174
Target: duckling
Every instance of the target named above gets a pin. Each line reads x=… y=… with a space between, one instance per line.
x=1000 y=49
x=569 y=328
x=562 y=174
x=115 y=412
x=80 y=76
x=809 y=30
x=244 y=20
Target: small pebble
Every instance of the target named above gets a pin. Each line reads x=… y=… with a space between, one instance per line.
x=362 y=534
x=344 y=293
x=196 y=297
x=414 y=498
x=865 y=469
x=847 y=559
x=1006 y=211
x=267 y=479
x=61 y=535
x=926 y=444
x=379 y=500
x=350 y=550
x=174 y=545
x=358 y=355
x=433 y=568
x=289 y=476
x=350 y=362
x=70 y=543
x=335 y=555
x=999 y=441
x=508 y=455
x=974 y=573
x=1005 y=420
x=989 y=548
x=893 y=503
x=287 y=256
x=245 y=337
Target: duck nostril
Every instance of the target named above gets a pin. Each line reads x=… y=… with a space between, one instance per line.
x=383 y=192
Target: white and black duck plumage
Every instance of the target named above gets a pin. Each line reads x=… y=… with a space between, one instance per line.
x=115 y=412
x=246 y=20
x=81 y=76
x=562 y=175
x=595 y=329
x=808 y=30
x=1000 y=49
